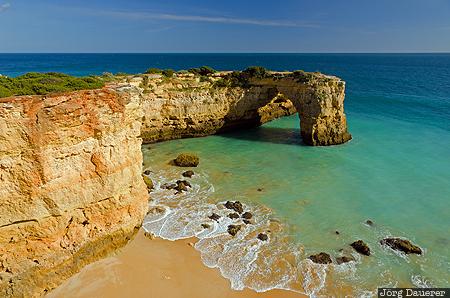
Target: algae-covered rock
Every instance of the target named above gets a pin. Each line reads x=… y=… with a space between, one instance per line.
x=402 y=245
x=344 y=259
x=321 y=258
x=148 y=182
x=233 y=229
x=262 y=237
x=188 y=174
x=361 y=247
x=236 y=206
x=187 y=160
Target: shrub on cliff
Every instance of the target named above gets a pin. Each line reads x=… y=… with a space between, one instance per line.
x=202 y=71
x=153 y=71
x=168 y=72
x=34 y=83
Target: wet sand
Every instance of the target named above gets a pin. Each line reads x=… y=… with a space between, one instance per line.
x=155 y=268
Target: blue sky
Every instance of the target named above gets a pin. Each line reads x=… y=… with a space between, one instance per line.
x=225 y=26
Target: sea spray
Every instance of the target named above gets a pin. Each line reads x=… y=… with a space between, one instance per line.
x=277 y=263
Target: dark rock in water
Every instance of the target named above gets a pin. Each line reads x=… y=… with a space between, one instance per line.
x=236 y=206
x=259 y=189
x=148 y=182
x=402 y=245
x=369 y=222
x=147 y=172
x=361 y=247
x=184 y=182
x=233 y=229
x=344 y=259
x=247 y=222
x=321 y=258
x=169 y=186
x=187 y=160
x=233 y=215
x=188 y=174
x=214 y=216
x=247 y=215
x=182 y=185
x=337 y=232
x=262 y=237
x=206 y=226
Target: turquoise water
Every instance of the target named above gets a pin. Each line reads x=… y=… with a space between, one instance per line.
x=395 y=171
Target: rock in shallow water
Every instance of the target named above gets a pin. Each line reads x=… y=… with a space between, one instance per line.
x=188 y=174
x=402 y=245
x=263 y=237
x=361 y=247
x=233 y=215
x=247 y=215
x=214 y=216
x=187 y=160
x=344 y=259
x=236 y=206
x=321 y=258
x=233 y=229
x=148 y=182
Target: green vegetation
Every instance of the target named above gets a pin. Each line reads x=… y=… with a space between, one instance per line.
x=242 y=78
x=168 y=72
x=153 y=71
x=44 y=83
x=165 y=72
x=202 y=71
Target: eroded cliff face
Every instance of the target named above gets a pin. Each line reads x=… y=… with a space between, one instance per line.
x=188 y=106
x=71 y=189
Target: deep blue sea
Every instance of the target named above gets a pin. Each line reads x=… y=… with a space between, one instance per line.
x=395 y=171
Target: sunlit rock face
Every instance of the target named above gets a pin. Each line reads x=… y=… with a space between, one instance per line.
x=188 y=107
x=70 y=184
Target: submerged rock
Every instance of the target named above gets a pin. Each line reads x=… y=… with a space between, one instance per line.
x=205 y=226
x=148 y=182
x=402 y=245
x=321 y=258
x=247 y=222
x=262 y=237
x=369 y=222
x=214 y=216
x=336 y=232
x=344 y=259
x=361 y=247
x=247 y=215
x=236 y=206
x=233 y=229
x=188 y=174
x=233 y=215
x=169 y=186
x=187 y=160
x=182 y=185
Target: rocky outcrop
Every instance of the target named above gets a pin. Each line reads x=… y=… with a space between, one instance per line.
x=71 y=188
x=402 y=245
x=186 y=106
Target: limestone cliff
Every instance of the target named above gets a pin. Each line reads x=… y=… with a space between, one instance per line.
x=187 y=106
x=70 y=184
x=71 y=188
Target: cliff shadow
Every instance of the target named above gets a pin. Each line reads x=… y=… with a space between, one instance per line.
x=264 y=134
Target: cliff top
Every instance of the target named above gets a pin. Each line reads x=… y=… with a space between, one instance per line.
x=202 y=77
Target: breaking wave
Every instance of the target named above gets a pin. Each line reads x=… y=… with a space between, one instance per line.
x=245 y=260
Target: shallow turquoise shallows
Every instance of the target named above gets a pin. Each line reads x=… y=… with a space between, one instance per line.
x=395 y=171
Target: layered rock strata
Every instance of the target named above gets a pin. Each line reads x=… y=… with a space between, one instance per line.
x=71 y=189
x=189 y=106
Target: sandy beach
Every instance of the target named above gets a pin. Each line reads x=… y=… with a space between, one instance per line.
x=154 y=268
